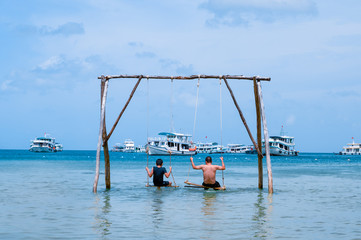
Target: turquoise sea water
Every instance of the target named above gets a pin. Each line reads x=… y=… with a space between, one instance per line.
x=49 y=196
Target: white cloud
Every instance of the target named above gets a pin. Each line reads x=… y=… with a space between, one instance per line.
x=51 y=63
x=7 y=86
x=234 y=13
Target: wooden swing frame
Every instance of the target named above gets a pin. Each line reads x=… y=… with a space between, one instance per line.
x=261 y=121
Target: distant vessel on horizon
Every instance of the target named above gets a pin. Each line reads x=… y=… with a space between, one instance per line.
x=238 y=148
x=209 y=147
x=45 y=144
x=351 y=149
x=128 y=147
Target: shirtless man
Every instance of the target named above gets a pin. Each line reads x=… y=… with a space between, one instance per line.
x=209 y=172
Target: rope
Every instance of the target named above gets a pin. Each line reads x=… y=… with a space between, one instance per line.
x=190 y=165
x=170 y=164
x=171 y=106
x=220 y=113
x=147 y=128
x=195 y=118
x=195 y=112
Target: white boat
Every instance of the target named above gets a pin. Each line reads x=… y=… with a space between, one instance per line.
x=128 y=146
x=281 y=146
x=206 y=147
x=170 y=143
x=58 y=147
x=117 y=148
x=140 y=149
x=45 y=144
x=238 y=148
x=351 y=149
x=210 y=148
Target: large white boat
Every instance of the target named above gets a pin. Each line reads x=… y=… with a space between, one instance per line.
x=170 y=143
x=351 y=149
x=281 y=146
x=238 y=148
x=45 y=144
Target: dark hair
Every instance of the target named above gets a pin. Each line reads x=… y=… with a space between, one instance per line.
x=159 y=162
x=209 y=159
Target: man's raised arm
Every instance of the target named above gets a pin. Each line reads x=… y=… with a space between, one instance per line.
x=223 y=167
x=150 y=174
x=168 y=173
x=194 y=166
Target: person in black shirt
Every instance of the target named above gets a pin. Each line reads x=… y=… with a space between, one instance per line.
x=158 y=172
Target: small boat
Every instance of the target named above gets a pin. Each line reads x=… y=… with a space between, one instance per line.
x=58 y=147
x=127 y=148
x=117 y=148
x=170 y=143
x=140 y=149
x=351 y=149
x=238 y=148
x=45 y=144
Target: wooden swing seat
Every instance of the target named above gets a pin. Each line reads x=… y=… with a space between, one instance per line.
x=201 y=186
x=161 y=186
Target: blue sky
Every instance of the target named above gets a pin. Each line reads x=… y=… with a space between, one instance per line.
x=53 y=51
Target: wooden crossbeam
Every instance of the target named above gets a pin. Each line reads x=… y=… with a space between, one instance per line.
x=237 y=77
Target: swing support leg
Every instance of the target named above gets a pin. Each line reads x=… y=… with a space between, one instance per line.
x=259 y=133
x=106 y=159
x=104 y=87
x=242 y=117
x=266 y=139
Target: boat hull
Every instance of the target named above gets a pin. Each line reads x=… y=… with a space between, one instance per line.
x=41 y=149
x=153 y=150
x=274 y=151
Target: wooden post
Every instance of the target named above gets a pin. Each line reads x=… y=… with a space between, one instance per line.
x=266 y=139
x=242 y=117
x=104 y=85
x=105 y=149
x=107 y=163
x=259 y=134
x=106 y=157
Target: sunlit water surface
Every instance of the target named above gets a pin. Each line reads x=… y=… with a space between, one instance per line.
x=49 y=196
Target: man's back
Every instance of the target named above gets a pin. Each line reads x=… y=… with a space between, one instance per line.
x=209 y=170
x=158 y=175
x=209 y=173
